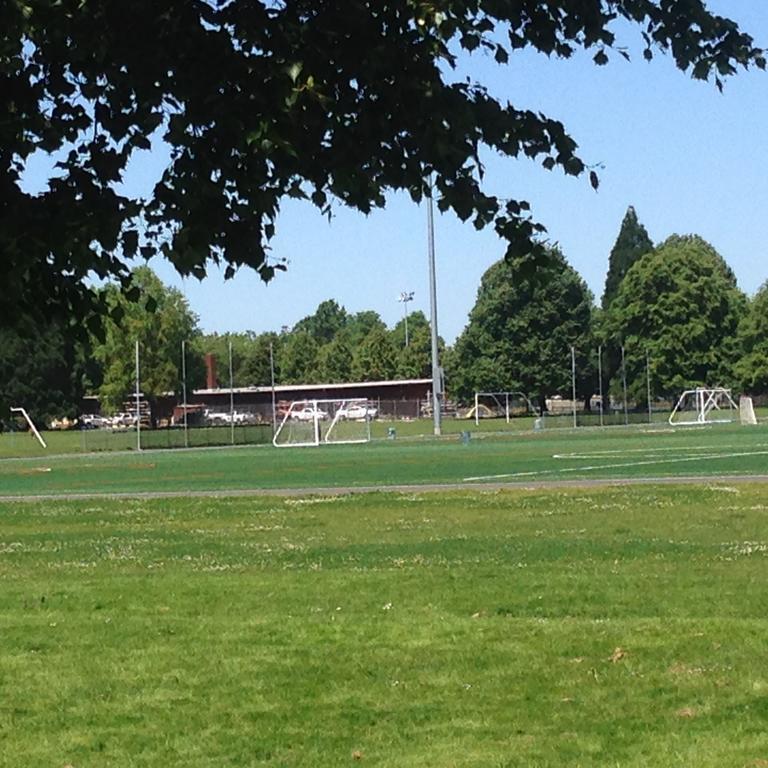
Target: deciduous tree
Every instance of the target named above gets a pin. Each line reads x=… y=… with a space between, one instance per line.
x=752 y=366
x=160 y=320
x=46 y=376
x=375 y=359
x=520 y=332
x=679 y=304
x=260 y=101
x=298 y=358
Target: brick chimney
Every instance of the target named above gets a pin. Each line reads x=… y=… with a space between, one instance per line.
x=211 y=381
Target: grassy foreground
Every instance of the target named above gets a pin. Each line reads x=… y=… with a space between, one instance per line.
x=609 y=627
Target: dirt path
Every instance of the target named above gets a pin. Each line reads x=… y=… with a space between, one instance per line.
x=427 y=488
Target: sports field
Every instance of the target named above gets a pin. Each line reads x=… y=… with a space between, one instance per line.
x=528 y=457
x=588 y=626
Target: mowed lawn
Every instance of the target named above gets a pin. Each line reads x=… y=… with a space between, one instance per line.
x=556 y=455
x=621 y=627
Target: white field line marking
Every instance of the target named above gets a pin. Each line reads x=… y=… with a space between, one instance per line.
x=647 y=451
x=618 y=466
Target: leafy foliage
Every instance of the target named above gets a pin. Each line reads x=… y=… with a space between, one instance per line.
x=298 y=358
x=321 y=101
x=159 y=321
x=520 y=332
x=42 y=369
x=334 y=361
x=328 y=319
x=681 y=305
x=375 y=359
x=752 y=367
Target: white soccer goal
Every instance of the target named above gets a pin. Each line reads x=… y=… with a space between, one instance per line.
x=31 y=424
x=704 y=406
x=500 y=405
x=325 y=422
x=747 y=410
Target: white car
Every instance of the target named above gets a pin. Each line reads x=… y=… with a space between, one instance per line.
x=356 y=411
x=123 y=420
x=309 y=414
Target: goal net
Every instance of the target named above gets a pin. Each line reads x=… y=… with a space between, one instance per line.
x=325 y=422
x=500 y=405
x=746 y=410
x=704 y=406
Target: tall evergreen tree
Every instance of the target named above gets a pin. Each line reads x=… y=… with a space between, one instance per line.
x=632 y=243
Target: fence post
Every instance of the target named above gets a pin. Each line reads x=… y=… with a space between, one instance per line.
x=648 y=386
x=624 y=385
x=573 y=384
x=138 y=407
x=600 y=379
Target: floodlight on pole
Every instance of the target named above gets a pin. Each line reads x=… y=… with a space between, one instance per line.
x=405 y=297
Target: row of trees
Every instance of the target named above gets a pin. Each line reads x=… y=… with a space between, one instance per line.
x=51 y=375
x=676 y=307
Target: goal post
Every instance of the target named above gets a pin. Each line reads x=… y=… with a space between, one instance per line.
x=704 y=406
x=497 y=405
x=31 y=424
x=325 y=422
x=747 y=410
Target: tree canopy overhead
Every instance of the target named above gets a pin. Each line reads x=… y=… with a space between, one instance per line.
x=259 y=101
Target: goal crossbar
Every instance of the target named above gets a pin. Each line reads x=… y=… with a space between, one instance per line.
x=704 y=402
x=304 y=423
x=502 y=400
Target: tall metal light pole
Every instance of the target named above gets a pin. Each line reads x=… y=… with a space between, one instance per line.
x=436 y=376
x=405 y=297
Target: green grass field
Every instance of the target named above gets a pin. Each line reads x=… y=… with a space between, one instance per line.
x=610 y=453
x=525 y=628
x=618 y=626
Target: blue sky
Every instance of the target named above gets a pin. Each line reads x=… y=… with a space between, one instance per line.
x=690 y=160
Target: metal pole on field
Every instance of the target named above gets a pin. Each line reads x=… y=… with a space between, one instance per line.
x=624 y=385
x=573 y=384
x=648 y=386
x=600 y=379
x=138 y=406
x=184 y=389
x=272 y=376
x=231 y=399
x=477 y=415
x=436 y=377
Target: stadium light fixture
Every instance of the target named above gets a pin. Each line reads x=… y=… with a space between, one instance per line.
x=405 y=297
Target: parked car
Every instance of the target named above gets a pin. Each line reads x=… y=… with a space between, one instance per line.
x=123 y=420
x=310 y=413
x=357 y=411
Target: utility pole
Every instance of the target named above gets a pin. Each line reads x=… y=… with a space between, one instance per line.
x=437 y=387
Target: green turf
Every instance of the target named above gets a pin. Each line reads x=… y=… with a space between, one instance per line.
x=470 y=629
x=611 y=453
